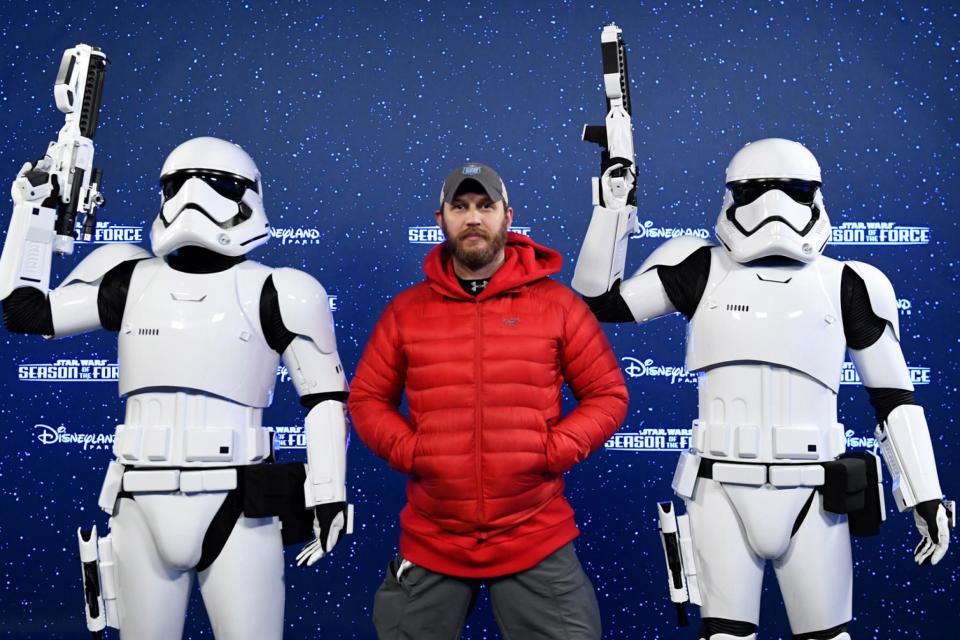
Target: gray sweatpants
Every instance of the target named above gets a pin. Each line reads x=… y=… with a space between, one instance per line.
x=554 y=600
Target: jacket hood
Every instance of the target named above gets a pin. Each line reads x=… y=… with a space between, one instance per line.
x=525 y=261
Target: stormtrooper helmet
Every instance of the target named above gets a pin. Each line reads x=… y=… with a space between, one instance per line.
x=773 y=205
x=211 y=197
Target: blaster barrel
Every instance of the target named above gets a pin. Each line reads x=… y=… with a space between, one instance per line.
x=616 y=81
x=93 y=94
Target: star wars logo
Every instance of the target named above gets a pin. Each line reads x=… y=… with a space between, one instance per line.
x=70 y=370
x=647 y=230
x=289 y=437
x=859 y=442
x=650 y=439
x=637 y=368
x=47 y=435
x=109 y=233
x=434 y=234
x=295 y=235
x=850 y=375
x=882 y=233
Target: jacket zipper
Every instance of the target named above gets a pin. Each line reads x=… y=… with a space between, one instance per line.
x=478 y=435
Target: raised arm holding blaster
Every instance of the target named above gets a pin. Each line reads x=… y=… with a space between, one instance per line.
x=614 y=192
x=49 y=193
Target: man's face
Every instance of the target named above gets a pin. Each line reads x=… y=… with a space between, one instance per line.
x=475 y=228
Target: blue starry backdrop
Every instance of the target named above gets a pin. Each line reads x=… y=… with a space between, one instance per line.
x=356 y=111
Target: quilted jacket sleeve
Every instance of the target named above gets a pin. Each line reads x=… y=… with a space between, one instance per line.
x=591 y=370
x=375 y=396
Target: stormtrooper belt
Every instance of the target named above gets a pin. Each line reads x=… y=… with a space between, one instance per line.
x=757 y=474
x=165 y=480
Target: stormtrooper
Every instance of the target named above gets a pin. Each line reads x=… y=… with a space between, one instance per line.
x=767 y=477
x=193 y=490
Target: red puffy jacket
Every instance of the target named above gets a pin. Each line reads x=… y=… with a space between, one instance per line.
x=485 y=443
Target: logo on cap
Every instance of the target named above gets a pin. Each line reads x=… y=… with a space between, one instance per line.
x=471 y=171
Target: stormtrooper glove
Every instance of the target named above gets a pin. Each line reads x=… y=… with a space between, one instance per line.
x=330 y=522
x=933 y=522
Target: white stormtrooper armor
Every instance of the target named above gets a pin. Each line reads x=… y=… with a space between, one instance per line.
x=770 y=322
x=201 y=333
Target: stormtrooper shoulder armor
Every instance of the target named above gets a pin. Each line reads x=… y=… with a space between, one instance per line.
x=103 y=259
x=304 y=307
x=673 y=252
x=883 y=301
x=75 y=304
x=649 y=294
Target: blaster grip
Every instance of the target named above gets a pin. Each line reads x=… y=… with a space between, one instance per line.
x=67 y=213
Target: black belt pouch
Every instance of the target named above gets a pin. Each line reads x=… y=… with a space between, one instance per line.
x=867 y=521
x=844 y=484
x=277 y=490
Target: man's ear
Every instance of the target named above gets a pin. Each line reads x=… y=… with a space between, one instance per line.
x=509 y=215
x=438 y=216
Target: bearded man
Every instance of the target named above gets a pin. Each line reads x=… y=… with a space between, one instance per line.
x=482 y=349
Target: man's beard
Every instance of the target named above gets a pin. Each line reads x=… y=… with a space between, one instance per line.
x=480 y=256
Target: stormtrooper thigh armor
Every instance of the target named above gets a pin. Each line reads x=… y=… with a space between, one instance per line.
x=158 y=540
x=737 y=528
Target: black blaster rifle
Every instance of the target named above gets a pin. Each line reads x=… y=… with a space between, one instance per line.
x=615 y=136
x=79 y=93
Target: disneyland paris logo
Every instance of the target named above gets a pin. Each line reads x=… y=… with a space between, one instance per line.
x=108 y=233
x=295 y=235
x=646 y=229
x=859 y=442
x=434 y=234
x=637 y=368
x=850 y=375
x=650 y=439
x=881 y=233
x=70 y=370
x=88 y=441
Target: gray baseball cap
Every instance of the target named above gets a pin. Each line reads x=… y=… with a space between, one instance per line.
x=483 y=175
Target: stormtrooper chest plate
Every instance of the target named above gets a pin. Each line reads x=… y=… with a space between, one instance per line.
x=197 y=331
x=782 y=315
